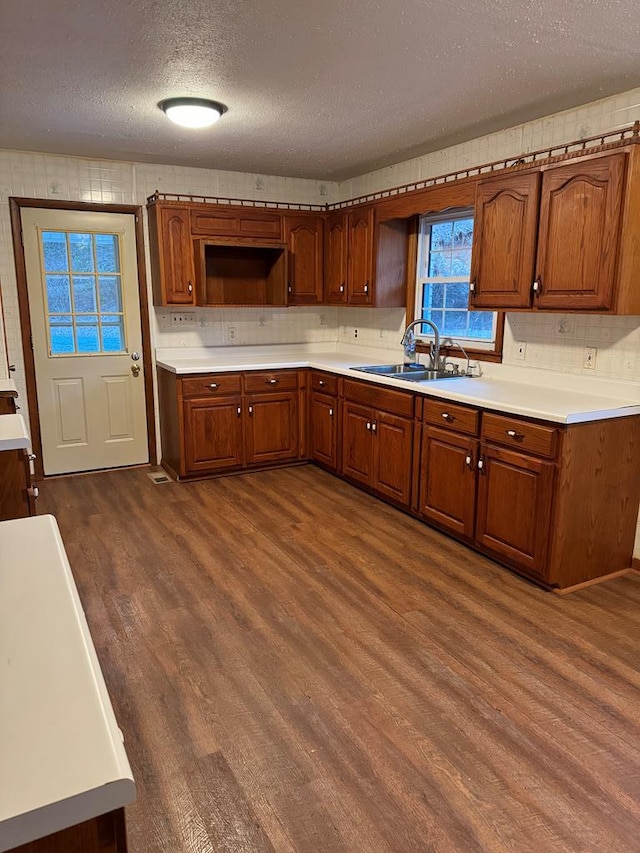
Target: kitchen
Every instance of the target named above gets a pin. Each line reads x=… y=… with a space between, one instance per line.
x=276 y=782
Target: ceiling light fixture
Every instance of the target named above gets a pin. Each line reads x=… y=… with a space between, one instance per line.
x=192 y=112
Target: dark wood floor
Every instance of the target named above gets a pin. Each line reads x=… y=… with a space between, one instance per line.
x=298 y=667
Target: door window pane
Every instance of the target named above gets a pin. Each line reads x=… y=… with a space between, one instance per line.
x=58 y=293
x=84 y=309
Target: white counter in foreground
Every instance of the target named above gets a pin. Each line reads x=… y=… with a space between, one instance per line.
x=62 y=759
x=13 y=433
x=531 y=400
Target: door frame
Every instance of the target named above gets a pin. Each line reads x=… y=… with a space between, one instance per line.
x=15 y=207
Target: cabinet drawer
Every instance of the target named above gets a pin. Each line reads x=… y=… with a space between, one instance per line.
x=211 y=385
x=459 y=418
x=275 y=380
x=396 y=402
x=522 y=435
x=326 y=383
x=234 y=223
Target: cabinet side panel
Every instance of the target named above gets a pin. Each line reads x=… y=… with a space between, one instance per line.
x=598 y=493
x=169 y=426
x=155 y=255
x=628 y=297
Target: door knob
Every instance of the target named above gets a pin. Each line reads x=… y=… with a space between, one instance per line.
x=135 y=369
x=135 y=356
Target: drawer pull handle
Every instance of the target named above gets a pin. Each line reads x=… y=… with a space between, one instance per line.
x=214 y=386
x=480 y=464
x=272 y=381
x=512 y=433
x=321 y=383
x=368 y=426
x=32 y=457
x=449 y=418
x=34 y=491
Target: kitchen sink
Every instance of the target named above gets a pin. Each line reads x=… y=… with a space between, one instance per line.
x=409 y=372
x=391 y=369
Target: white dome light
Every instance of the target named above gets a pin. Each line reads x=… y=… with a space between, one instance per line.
x=192 y=112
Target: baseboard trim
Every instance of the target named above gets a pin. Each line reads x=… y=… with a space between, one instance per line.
x=595 y=581
x=635 y=564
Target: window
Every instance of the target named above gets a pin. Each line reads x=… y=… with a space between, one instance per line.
x=83 y=292
x=442 y=291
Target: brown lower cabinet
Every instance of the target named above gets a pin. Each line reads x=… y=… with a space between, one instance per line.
x=216 y=423
x=556 y=503
x=17 y=491
x=103 y=834
x=377 y=440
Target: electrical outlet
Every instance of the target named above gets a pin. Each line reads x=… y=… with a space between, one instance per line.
x=590 y=355
x=521 y=350
x=232 y=333
x=355 y=333
x=323 y=319
x=186 y=319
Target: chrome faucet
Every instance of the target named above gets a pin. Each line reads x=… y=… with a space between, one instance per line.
x=409 y=343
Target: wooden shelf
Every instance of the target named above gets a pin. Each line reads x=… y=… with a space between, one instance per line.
x=234 y=273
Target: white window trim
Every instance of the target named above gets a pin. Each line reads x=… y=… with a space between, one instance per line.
x=426 y=222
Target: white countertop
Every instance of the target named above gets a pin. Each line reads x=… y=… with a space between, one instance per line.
x=62 y=759
x=509 y=394
x=13 y=433
x=8 y=386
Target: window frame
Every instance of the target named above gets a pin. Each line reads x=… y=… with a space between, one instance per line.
x=423 y=344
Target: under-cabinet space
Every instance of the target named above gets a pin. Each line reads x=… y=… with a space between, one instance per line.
x=253 y=274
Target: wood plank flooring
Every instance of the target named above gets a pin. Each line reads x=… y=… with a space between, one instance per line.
x=300 y=668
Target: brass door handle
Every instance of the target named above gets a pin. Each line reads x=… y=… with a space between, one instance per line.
x=135 y=369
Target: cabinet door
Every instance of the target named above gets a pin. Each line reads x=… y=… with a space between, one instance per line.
x=323 y=429
x=271 y=427
x=580 y=213
x=357 y=442
x=360 y=277
x=212 y=434
x=514 y=507
x=448 y=480
x=16 y=495
x=335 y=263
x=504 y=241
x=393 y=453
x=176 y=262
x=304 y=238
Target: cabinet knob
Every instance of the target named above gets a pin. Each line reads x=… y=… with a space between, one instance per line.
x=34 y=491
x=469 y=461
x=290 y=289
x=472 y=287
x=190 y=287
x=341 y=288
x=321 y=383
x=536 y=287
x=512 y=433
x=366 y=288
x=330 y=413
x=12 y=368
x=250 y=410
x=32 y=457
x=368 y=425
x=480 y=464
x=213 y=386
x=272 y=381
x=449 y=418
x=374 y=427
x=239 y=410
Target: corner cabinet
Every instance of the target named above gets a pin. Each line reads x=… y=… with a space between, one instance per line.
x=564 y=238
x=365 y=259
x=172 y=255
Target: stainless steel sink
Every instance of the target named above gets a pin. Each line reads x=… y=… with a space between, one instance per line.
x=391 y=369
x=409 y=372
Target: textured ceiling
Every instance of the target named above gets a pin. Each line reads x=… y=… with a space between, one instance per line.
x=314 y=89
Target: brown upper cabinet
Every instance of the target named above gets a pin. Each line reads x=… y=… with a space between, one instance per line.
x=171 y=246
x=221 y=221
x=304 y=238
x=561 y=239
x=366 y=259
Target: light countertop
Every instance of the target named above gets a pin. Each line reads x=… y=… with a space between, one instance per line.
x=8 y=386
x=492 y=391
x=61 y=751
x=13 y=433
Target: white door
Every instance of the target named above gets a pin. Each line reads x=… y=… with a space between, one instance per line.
x=82 y=279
